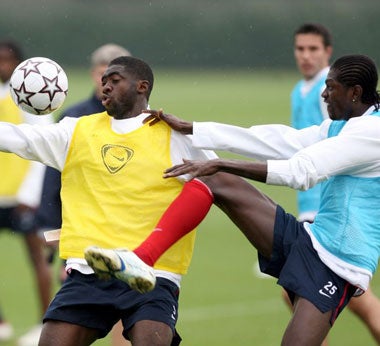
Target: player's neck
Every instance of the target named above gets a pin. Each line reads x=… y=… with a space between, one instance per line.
x=134 y=112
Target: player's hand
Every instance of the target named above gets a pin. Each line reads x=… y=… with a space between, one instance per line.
x=193 y=168
x=154 y=116
x=182 y=126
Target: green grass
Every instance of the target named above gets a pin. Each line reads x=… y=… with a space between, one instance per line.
x=222 y=301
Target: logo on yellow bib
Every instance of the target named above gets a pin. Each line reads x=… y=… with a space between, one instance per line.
x=115 y=157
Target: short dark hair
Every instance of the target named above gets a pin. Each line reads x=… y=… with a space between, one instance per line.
x=317 y=29
x=357 y=69
x=14 y=48
x=136 y=67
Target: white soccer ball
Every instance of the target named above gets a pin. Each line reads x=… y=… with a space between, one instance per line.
x=39 y=86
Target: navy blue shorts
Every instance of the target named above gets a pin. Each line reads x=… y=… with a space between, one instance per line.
x=299 y=269
x=17 y=222
x=89 y=302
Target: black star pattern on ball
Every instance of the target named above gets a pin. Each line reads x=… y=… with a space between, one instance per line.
x=30 y=66
x=51 y=87
x=23 y=95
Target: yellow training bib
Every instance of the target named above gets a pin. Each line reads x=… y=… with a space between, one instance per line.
x=113 y=193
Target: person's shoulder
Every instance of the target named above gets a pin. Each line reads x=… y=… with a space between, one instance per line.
x=367 y=125
x=298 y=85
x=371 y=115
x=76 y=110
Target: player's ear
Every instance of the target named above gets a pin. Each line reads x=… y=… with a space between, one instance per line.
x=357 y=92
x=142 y=86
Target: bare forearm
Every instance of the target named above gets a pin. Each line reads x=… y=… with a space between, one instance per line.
x=251 y=170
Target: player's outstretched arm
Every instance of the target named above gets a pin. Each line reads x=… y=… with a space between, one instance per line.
x=252 y=170
x=182 y=126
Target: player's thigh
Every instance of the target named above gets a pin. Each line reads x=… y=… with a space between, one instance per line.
x=150 y=333
x=251 y=210
x=308 y=325
x=59 y=333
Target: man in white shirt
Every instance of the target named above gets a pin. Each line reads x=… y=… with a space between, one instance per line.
x=112 y=196
x=324 y=263
x=312 y=53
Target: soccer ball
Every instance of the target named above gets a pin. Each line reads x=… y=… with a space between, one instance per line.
x=38 y=86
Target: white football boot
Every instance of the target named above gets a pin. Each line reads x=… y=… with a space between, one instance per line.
x=122 y=264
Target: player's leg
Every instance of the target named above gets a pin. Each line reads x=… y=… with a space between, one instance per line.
x=255 y=215
x=308 y=326
x=252 y=211
x=186 y=211
x=288 y=303
x=317 y=293
x=150 y=322
x=184 y=214
x=151 y=333
x=59 y=333
x=367 y=308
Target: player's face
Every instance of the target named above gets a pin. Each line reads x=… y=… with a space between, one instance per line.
x=338 y=98
x=119 y=92
x=310 y=54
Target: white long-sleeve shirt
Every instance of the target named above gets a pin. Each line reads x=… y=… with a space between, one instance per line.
x=300 y=158
x=345 y=156
x=49 y=143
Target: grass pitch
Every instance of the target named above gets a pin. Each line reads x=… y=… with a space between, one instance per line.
x=222 y=302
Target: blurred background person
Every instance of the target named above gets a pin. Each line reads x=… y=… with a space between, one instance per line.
x=312 y=53
x=48 y=216
x=21 y=180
